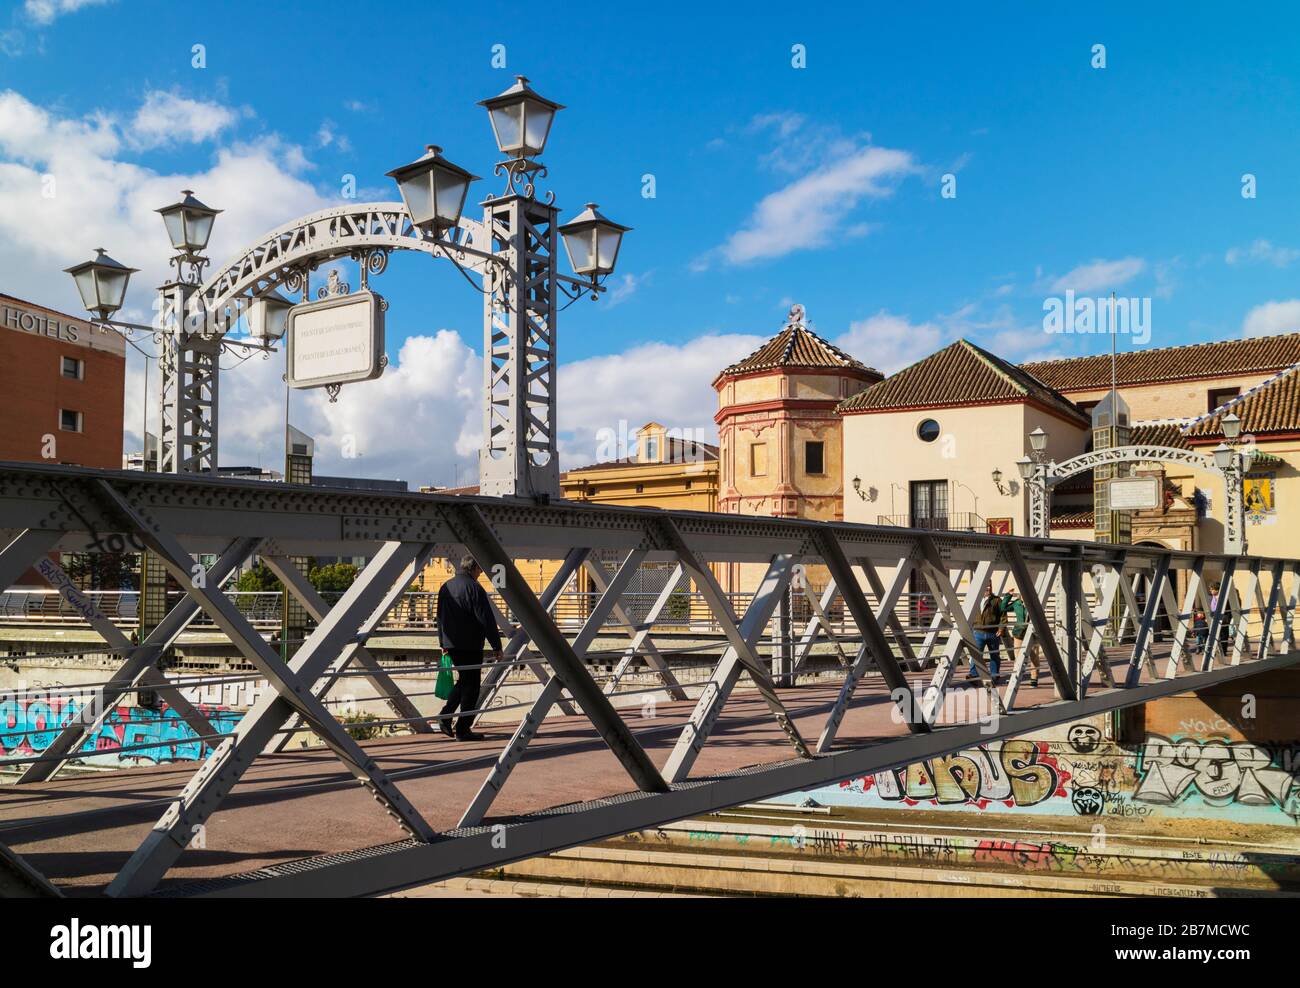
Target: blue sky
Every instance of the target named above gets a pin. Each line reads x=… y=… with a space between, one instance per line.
x=773 y=183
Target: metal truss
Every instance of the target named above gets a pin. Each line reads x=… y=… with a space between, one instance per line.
x=519 y=455
x=1072 y=593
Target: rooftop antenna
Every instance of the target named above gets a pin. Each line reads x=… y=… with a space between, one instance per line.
x=1114 y=376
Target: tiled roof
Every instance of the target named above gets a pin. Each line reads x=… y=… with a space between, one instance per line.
x=959 y=374
x=1164 y=433
x=798 y=346
x=1072 y=518
x=1272 y=406
x=1255 y=355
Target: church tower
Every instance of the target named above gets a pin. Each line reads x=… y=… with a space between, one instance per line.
x=780 y=440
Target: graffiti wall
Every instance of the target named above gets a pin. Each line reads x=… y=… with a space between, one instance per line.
x=28 y=724
x=1079 y=770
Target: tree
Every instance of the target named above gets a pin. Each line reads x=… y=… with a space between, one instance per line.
x=334 y=578
x=258 y=579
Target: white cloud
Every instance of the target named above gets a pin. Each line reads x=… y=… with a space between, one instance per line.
x=665 y=382
x=1100 y=275
x=1262 y=251
x=66 y=190
x=327 y=135
x=889 y=343
x=46 y=11
x=1272 y=318
x=419 y=422
x=167 y=118
x=811 y=210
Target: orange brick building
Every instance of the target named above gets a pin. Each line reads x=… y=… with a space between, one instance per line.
x=62 y=380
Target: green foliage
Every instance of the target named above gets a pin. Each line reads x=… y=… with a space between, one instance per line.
x=361 y=733
x=334 y=578
x=103 y=570
x=258 y=579
x=678 y=607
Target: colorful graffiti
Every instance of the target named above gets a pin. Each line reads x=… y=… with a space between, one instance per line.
x=28 y=724
x=1219 y=772
x=1076 y=770
x=1014 y=773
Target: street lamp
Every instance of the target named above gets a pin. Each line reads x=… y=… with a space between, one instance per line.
x=189 y=224
x=102 y=283
x=1231 y=426
x=268 y=316
x=521 y=119
x=433 y=190
x=1038 y=440
x=1223 y=456
x=1026 y=467
x=592 y=242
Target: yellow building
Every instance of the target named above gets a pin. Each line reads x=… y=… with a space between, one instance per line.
x=665 y=469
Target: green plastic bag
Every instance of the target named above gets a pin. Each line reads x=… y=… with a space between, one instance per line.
x=446 y=681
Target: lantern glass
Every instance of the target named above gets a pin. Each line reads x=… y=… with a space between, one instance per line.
x=1038 y=440
x=508 y=125
x=87 y=288
x=417 y=193
x=537 y=125
x=1026 y=467
x=1222 y=456
x=111 y=283
x=580 y=245
x=608 y=240
x=198 y=228
x=449 y=189
x=174 y=219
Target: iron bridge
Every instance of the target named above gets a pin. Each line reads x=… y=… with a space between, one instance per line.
x=255 y=818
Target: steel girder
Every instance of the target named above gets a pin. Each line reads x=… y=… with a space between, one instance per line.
x=73 y=509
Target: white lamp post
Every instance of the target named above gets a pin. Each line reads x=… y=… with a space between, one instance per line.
x=433 y=190
x=189 y=224
x=521 y=119
x=592 y=242
x=101 y=283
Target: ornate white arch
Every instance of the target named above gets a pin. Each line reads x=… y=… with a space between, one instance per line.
x=1056 y=472
x=366 y=232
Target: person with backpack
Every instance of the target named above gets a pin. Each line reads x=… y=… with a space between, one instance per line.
x=988 y=630
x=1018 y=619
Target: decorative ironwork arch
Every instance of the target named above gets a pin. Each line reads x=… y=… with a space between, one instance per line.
x=1056 y=472
x=366 y=232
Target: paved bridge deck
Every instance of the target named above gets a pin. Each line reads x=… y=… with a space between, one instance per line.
x=80 y=830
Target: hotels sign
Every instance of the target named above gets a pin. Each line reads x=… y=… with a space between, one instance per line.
x=1134 y=493
x=336 y=340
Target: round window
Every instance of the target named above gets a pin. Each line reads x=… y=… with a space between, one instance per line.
x=928 y=431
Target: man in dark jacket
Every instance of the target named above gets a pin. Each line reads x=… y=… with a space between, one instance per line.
x=465 y=625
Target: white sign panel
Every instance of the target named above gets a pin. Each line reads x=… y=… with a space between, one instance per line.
x=336 y=340
x=1134 y=493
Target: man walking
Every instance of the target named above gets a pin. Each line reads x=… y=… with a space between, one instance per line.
x=465 y=625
